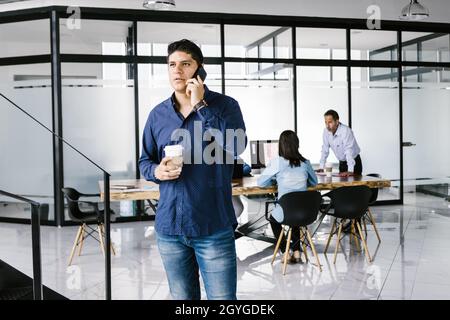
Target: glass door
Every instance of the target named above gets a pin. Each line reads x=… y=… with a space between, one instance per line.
x=426 y=111
x=426 y=154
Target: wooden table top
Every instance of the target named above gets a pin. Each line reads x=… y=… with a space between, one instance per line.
x=141 y=189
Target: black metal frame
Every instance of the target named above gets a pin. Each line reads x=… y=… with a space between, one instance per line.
x=419 y=70
x=58 y=162
x=56 y=58
x=35 y=242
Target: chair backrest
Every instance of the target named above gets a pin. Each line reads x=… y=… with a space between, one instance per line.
x=300 y=208
x=72 y=196
x=350 y=202
x=374 y=196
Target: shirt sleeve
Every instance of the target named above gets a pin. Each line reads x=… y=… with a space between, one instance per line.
x=269 y=174
x=149 y=159
x=312 y=177
x=229 y=121
x=349 y=142
x=325 y=149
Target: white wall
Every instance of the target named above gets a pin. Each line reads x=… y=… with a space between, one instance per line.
x=375 y=119
x=99 y=121
x=26 y=157
x=267 y=111
x=25 y=38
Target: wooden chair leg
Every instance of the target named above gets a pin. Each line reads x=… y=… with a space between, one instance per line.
x=354 y=235
x=365 y=227
x=313 y=248
x=330 y=236
x=81 y=240
x=338 y=241
x=112 y=247
x=372 y=220
x=286 y=253
x=75 y=244
x=100 y=236
x=364 y=243
x=277 y=247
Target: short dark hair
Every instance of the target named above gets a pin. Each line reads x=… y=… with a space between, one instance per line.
x=288 y=148
x=188 y=47
x=332 y=113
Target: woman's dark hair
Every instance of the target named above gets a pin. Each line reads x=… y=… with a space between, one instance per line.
x=288 y=148
x=187 y=46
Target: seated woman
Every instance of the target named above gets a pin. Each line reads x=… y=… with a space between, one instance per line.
x=291 y=172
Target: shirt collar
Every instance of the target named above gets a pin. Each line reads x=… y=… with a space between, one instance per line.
x=338 y=131
x=171 y=100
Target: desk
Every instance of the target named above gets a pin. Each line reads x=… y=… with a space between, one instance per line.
x=144 y=190
x=249 y=187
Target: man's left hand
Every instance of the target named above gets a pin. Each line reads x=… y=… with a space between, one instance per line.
x=195 y=90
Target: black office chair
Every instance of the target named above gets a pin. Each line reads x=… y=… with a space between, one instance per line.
x=368 y=216
x=94 y=214
x=272 y=199
x=349 y=203
x=300 y=209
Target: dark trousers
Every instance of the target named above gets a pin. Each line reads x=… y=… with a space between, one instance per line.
x=356 y=170
x=295 y=238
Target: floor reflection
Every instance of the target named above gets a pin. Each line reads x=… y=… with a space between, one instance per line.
x=411 y=262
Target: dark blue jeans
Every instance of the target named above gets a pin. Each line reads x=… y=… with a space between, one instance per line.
x=214 y=255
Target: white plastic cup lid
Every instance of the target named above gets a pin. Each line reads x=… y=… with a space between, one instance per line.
x=173 y=150
x=328 y=165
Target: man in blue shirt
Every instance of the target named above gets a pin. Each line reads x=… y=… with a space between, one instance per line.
x=195 y=219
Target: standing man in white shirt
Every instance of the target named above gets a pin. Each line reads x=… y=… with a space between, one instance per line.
x=343 y=143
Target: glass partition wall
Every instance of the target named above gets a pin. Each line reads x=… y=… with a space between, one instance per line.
x=95 y=82
x=26 y=153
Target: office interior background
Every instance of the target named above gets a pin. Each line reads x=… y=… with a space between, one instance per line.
x=95 y=80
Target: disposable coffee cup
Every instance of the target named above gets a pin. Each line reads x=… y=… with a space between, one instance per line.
x=328 y=169
x=175 y=153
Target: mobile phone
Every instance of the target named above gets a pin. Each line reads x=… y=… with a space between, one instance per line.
x=200 y=72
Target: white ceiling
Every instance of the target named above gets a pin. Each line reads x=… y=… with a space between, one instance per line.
x=93 y=31
x=390 y=9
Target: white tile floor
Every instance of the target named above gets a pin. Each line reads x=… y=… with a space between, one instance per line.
x=412 y=261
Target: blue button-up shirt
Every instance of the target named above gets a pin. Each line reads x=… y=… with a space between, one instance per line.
x=199 y=202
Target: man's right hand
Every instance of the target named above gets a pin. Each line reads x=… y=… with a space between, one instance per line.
x=319 y=170
x=165 y=171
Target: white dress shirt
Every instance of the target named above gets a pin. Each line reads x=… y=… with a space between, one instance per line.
x=343 y=144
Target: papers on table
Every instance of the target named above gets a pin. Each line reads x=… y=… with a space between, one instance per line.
x=122 y=187
x=132 y=188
